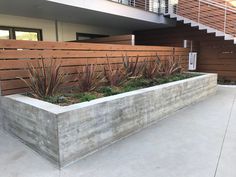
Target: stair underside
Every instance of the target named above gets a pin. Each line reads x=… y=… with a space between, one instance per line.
x=203 y=27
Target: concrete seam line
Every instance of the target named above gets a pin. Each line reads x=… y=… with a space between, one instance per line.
x=226 y=131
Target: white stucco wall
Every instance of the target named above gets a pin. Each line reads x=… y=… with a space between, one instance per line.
x=47 y=26
x=109 y=7
x=66 y=31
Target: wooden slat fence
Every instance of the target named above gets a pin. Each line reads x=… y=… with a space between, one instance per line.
x=15 y=55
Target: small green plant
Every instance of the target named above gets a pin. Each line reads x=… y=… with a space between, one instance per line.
x=108 y=91
x=56 y=99
x=138 y=84
x=89 y=79
x=45 y=80
x=115 y=76
x=86 y=97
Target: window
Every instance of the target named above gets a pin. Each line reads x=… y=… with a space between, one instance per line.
x=4 y=34
x=86 y=36
x=20 y=33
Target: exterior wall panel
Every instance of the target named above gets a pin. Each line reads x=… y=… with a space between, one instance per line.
x=67 y=31
x=215 y=54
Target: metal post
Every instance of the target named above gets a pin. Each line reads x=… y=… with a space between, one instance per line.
x=177 y=7
x=199 y=11
x=159 y=6
x=225 y=17
x=145 y=4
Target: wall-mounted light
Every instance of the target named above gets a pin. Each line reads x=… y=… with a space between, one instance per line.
x=188 y=44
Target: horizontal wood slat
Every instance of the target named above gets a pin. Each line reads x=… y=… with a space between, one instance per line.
x=14 y=44
x=16 y=55
x=22 y=54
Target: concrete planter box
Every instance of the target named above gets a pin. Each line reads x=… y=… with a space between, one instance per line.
x=66 y=134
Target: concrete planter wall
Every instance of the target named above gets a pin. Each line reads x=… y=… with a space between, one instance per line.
x=66 y=134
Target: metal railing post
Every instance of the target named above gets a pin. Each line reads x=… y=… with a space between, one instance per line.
x=145 y=5
x=177 y=10
x=225 y=17
x=159 y=6
x=199 y=11
x=167 y=7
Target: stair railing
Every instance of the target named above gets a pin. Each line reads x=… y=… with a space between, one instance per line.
x=147 y=5
x=220 y=16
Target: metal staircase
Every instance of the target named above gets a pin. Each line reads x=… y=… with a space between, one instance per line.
x=203 y=27
x=171 y=10
x=221 y=13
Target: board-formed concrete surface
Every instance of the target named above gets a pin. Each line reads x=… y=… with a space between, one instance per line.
x=197 y=141
x=67 y=134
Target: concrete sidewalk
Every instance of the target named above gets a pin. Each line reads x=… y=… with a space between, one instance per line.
x=198 y=141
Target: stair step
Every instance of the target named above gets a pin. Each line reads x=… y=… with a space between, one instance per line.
x=220 y=34
x=202 y=27
x=180 y=19
x=228 y=37
x=187 y=21
x=193 y=24
x=173 y=16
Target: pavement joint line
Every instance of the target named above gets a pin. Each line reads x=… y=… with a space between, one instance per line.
x=226 y=131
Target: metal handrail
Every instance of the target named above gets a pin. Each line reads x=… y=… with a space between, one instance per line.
x=219 y=5
x=147 y=5
x=173 y=9
x=161 y=7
